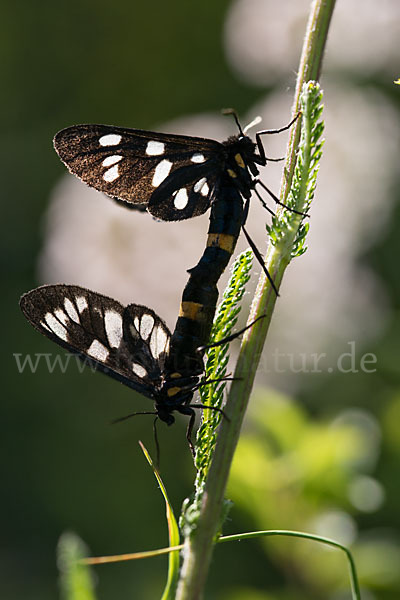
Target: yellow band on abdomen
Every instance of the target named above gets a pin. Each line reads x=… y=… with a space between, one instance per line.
x=221 y=240
x=190 y=310
x=173 y=391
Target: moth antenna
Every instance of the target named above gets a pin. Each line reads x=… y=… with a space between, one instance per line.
x=252 y=123
x=233 y=113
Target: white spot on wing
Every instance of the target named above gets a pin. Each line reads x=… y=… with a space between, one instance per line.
x=139 y=370
x=199 y=184
x=136 y=323
x=112 y=174
x=61 y=316
x=161 y=172
x=205 y=189
x=81 y=303
x=155 y=148
x=98 y=351
x=56 y=327
x=113 y=327
x=181 y=199
x=158 y=341
x=71 y=312
x=146 y=325
x=43 y=324
x=111 y=139
x=111 y=160
x=198 y=157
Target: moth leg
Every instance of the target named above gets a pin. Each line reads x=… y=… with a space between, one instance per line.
x=189 y=430
x=231 y=337
x=216 y=408
x=275 y=199
x=157 y=444
x=256 y=251
x=262 y=157
x=264 y=204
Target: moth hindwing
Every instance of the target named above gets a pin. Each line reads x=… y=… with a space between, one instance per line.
x=174 y=175
x=128 y=343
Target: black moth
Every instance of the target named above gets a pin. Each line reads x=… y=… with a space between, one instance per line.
x=129 y=343
x=175 y=176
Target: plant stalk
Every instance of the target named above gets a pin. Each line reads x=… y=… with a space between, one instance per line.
x=199 y=545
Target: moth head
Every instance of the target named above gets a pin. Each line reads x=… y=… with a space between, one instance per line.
x=165 y=415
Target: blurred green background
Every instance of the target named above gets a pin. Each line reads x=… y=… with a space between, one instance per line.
x=322 y=455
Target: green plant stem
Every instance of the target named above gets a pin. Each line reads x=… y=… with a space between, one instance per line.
x=309 y=69
x=237 y=537
x=355 y=588
x=198 y=546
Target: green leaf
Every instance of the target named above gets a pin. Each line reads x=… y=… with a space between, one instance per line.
x=76 y=582
x=217 y=360
x=305 y=173
x=173 y=534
